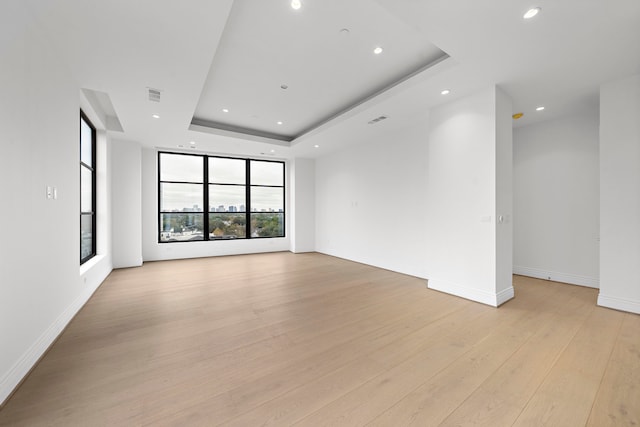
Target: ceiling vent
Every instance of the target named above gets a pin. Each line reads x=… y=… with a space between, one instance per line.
x=154 y=95
x=377 y=119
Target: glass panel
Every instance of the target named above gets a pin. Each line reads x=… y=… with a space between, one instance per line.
x=86 y=142
x=86 y=236
x=227 y=226
x=267 y=224
x=227 y=198
x=181 y=197
x=267 y=173
x=227 y=171
x=180 y=168
x=181 y=227
x=86 y=190
x=267 y=199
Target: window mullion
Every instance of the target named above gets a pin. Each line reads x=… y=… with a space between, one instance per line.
x=205 y=183
x=247 y=196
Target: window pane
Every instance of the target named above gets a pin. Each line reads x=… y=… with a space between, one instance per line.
x=227 y=226
x=267 y=173
x=181 y=198
x=267 y=224
x=86 y=236
x=181 y=168
x=86 y=142
x=227 y=171
x=267 y=199
x=86 y=190
x=181 y=227
x=227 y=198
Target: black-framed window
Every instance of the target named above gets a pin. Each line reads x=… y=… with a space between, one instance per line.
x=231 y=198
x=87 y=189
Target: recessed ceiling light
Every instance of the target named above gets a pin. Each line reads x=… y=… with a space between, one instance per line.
x=155 y=116
x=273 y=151
x=192 y=143
x=316 y=146
x=539 y=108
x=180 y=146
x=279 y=123
x=531 y=12
x=296 y=4
x=285 y=87
x=377 y=50
x=445 y=92
x=344 y=31
x=225 y=110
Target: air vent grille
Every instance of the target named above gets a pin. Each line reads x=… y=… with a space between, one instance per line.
x=154 y=95
x=377 y=119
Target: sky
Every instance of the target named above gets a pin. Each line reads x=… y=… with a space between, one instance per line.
x=188 y=169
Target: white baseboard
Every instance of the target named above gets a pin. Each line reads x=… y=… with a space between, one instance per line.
x=488 y=298
x=23 y=366
x=573 y=279
x=504 y=296
x=619 y=303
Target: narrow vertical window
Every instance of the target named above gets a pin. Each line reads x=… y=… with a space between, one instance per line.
x=267 y=198
x=87 y=189
x=181 y=197
x=227 y=198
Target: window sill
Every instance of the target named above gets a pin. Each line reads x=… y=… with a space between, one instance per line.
x=84 y=268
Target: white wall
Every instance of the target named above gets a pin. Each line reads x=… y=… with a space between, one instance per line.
x=42 y=285
x=126 y=187
x=154 y=251
x=468 y=151
x=620 y=194
x=370 y=201
x=303 y=207
x=556 y=191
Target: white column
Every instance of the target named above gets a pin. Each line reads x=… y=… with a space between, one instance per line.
x=302 y=224
x=468 y=213
x=126 y=185
x=620 y=194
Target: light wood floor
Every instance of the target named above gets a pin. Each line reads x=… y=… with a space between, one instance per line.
x=312 y=340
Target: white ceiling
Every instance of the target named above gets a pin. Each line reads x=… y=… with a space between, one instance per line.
x=207 y=55
x=323 y=55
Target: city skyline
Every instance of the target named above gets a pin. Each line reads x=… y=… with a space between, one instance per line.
x=222 y=209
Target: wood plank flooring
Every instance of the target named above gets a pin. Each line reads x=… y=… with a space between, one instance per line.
x=310 y=340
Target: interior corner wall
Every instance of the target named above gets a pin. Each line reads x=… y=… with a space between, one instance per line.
x=127 y=203
x=620 y=194
x=370 y=200
x=154 y=251
x=556 y=191
x=43 y=285
x=466 y=141
x=302 y=212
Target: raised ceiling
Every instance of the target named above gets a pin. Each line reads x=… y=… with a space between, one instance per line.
x=280 y=72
